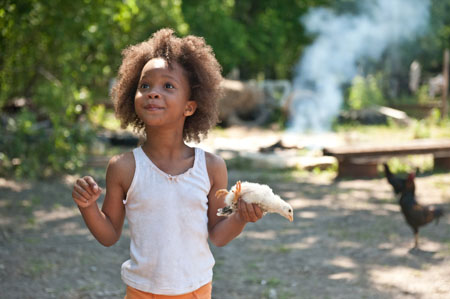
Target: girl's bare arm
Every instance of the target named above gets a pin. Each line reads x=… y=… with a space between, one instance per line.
x=105 y=224
x=224 y=229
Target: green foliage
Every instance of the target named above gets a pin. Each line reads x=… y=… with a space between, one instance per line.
x=430 y=47
x=413 y=163
x=435 y=117
x=425 y=128
x=257 y=36
x=423 y=95
x=62 y=55
x=100 y=117
x=29 y=148
x=365 y=92
x=421 y=130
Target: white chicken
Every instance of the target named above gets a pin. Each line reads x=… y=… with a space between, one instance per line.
x=254 y=193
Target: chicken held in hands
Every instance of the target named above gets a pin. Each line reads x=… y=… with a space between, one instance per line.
x=254 y=193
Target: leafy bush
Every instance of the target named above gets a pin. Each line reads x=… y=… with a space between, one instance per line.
x=365 y=92
x=421 y=129
x=31 y=148
x=423 y=94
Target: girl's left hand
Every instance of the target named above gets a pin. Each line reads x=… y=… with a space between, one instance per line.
x=249 y=212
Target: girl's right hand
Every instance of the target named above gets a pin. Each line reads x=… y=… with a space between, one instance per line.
x=86 y=192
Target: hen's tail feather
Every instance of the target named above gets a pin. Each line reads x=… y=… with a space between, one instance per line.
x=226 y=211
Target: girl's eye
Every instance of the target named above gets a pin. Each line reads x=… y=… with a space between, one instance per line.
x=169 y=86
x=144 y=86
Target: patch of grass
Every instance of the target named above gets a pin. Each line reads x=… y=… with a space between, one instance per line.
x=272 y=289
x=407 y=164
x=36 y=200
x=281 y=294
x=253 y=265
x=38 y=267
x=87 y=259
x=273 y=282
x=26 y=207
x=88 y=287
x=31 y=240
x=286 y=295
x=283 y=249
x=393 y=236
x=267 y=177
x=56 y=206
x=252 y=278
x=239 y=163
x=31 y=221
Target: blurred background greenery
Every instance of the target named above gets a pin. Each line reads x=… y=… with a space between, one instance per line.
x=58 y=60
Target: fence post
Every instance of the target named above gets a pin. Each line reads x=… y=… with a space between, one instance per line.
x=444 y=111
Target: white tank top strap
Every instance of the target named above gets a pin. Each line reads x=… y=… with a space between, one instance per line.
x=200 y=164
x=139 y=160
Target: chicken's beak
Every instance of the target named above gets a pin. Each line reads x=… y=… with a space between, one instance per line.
x=291 y=218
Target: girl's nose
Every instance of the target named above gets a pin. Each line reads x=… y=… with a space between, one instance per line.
x=153 y=95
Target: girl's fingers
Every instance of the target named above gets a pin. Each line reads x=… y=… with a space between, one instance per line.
x=84 y=185
x=252 y=212
x=243 y=210
x=258 y=211
x=92 y=184
x=249 y=212
x=82 y=192
x=78 y=197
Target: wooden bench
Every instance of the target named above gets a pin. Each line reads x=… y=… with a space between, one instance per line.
x=363 y=160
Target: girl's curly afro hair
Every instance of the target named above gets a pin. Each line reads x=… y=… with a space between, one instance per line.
x=200 y=64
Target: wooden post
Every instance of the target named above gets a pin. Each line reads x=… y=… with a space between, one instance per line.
x=444 y=111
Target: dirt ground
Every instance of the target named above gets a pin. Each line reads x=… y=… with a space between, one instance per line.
x=348 y=240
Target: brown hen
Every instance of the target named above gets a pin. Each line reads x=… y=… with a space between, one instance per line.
x=416 y=215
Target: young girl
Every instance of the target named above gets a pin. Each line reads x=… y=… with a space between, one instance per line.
x=168 y=88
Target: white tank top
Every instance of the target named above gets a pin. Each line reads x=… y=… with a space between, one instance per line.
x=167 y=217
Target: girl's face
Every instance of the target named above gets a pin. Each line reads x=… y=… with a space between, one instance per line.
x=163 y=95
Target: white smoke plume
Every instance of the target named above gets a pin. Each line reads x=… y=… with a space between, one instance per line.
x=342 y=41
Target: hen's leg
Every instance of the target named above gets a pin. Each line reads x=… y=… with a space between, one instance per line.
x=416 y=240
x=237 y=192
x=221 y=192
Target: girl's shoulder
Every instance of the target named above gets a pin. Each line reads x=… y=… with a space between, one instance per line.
x=122 y=161
x=121 y=168
x=214 y=161
x=215 y=166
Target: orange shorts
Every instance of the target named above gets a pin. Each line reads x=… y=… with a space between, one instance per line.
x=203 y=292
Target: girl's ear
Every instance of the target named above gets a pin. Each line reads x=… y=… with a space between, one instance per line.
x=190 y=108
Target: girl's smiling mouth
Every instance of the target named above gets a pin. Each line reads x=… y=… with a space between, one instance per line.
x=153 y=107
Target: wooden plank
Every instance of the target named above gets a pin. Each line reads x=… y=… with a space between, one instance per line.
x=362 y=160
x=424 y=146
x=348 y=168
